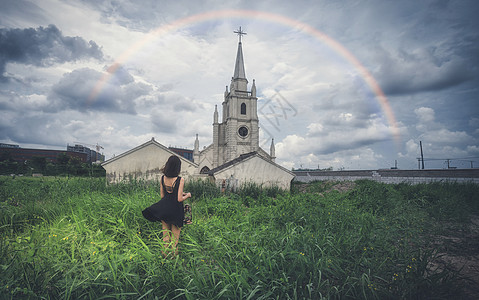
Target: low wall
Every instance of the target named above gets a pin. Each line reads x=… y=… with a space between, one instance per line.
x=393 y=176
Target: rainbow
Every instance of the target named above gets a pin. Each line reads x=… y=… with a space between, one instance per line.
x=265 y=16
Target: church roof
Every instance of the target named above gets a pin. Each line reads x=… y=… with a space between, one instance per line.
x=232 y=162
x=242 y=158
x=150 y=142
x=239 y=65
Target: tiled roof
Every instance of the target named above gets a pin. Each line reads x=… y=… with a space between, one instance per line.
x=232 y=162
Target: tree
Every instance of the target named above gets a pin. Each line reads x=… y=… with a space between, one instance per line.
x=39 y=164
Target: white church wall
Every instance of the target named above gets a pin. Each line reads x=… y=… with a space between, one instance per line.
x=255 y=170
x=143 y=163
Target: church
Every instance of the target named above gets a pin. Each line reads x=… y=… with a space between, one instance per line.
x=238 y=133
x=234 y=158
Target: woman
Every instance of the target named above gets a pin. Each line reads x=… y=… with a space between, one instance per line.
x=169 y=210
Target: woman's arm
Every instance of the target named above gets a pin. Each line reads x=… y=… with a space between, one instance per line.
x=182 y=196
x=161 y=187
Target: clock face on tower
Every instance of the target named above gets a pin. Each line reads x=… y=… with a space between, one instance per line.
x=243 y=131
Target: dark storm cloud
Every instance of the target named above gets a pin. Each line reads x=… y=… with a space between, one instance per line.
x=43 y=46
x=423 y=70
x=433 y=46
x=74 y=90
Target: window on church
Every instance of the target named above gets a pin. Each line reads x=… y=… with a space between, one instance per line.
x=204 y=170
x=243 y=108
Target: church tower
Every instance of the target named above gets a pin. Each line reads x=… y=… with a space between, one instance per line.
x=239 y=130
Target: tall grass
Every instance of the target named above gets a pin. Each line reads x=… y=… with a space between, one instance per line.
x=81 y=239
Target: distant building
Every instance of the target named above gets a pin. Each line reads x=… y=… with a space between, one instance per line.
x=16 y=153
x=24 y=154
x=186 y=153
x=92 y=155
x=2 y=145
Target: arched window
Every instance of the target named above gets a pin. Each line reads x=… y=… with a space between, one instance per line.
x=243 y=108
x=204 y=170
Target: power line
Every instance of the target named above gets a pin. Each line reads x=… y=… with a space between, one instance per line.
x=460 y=158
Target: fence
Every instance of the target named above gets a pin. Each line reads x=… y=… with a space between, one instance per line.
x=393 y=175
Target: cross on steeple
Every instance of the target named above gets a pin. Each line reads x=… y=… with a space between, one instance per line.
x=240 y=33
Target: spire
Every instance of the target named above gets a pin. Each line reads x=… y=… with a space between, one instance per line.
x=239 y=65
x=272 y=151
x=239 y=81
x=215 y=115
x=197 y=144
x=196 y=151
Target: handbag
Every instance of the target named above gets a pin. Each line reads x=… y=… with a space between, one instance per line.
x=188 y=218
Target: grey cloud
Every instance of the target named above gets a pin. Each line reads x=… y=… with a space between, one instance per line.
x=14 y=10
x=179 y=102
x=336 y=146
x=163 y=121
x=121 y=77
x=43 y=46
x=347 y=97
x=186 y=104
x=150 y=14
x=349 y=139
x=409 y=72
x=28 y=128
x=435 y=48
x=118 y=94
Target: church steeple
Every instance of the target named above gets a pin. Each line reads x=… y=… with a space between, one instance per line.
x=239 y=76
x=239 y=65
x=196 y=150
x=238 y=132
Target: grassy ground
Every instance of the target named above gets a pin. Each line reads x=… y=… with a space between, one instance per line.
x=79 y=239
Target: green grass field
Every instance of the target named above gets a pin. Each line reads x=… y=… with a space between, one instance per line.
x=77 y=238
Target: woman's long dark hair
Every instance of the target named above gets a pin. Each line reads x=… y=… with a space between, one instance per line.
x=172 y=167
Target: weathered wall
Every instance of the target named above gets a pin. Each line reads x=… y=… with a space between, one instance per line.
x=255 y=170
x=393 y=176
x=143 y=164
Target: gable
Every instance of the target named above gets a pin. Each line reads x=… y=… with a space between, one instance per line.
x=144 y=162
x=256 y=169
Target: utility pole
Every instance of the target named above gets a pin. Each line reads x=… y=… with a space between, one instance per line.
x=422 y=156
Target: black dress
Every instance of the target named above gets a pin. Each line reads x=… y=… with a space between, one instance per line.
x=168 y=209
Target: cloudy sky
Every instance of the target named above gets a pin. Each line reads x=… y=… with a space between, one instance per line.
x=342 y=84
